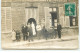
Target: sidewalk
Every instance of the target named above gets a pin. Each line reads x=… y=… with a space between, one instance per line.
x=6 y=45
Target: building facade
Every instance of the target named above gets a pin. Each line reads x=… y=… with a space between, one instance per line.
x=15 y=13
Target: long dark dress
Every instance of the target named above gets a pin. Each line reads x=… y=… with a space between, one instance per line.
x=30 y=37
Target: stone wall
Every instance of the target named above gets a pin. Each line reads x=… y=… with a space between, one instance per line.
x=18 y=15
x=70 y=31
x=18 y=11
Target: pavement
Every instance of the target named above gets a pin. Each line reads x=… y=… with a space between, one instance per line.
x=65 y=42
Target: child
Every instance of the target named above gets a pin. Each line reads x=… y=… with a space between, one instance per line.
x=13 y=35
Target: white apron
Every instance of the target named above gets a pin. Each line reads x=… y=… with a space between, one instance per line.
x=13 y=35
x=33 y=29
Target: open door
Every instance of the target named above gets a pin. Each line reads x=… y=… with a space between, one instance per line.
x=54 y=14
x=33 y=23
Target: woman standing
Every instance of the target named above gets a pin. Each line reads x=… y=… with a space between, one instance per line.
x=30 y=33
x=33 y=29
x=13 y=35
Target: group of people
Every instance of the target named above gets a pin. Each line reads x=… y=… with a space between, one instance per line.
x=29 y=32
x=51 y=32
x=15 y=35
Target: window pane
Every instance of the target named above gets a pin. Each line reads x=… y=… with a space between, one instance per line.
x=73 y=19
x=74 y=23
x=55 y=20
x=50 y=9
x=54 y=9
x=55 y=24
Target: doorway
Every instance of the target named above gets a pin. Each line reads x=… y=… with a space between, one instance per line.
x=32 y=20
x=54 y=16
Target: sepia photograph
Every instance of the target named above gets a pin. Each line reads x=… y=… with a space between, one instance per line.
x=39 y=24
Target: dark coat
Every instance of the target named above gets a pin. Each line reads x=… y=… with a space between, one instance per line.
x=45 y=32
x=59 y=31
x=24 y=29
x=59 y=27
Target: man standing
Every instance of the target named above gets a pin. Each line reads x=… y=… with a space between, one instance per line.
x=52 y=32
x=59 y=27
x=45 y=33
x=24 y=31
x=38 y=31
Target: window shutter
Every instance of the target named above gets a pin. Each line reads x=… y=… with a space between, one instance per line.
x=61 y=16
x=67 y=21
x=3 y=16
x=6 y=20
x=47 y=17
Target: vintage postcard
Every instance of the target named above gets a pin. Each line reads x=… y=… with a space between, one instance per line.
x=39 y=24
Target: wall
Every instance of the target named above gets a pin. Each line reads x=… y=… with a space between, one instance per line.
x=18 y=11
